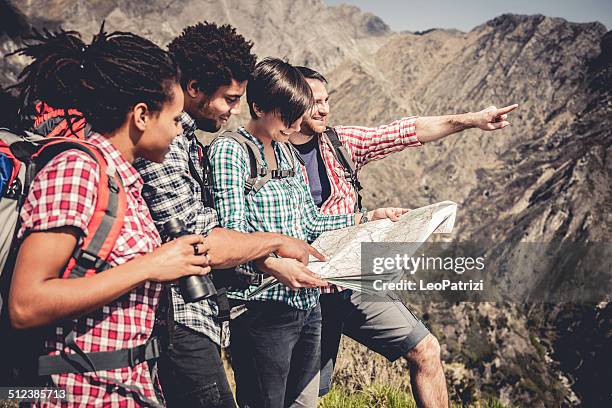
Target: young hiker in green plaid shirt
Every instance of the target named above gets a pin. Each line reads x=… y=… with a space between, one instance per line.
x=276 y=341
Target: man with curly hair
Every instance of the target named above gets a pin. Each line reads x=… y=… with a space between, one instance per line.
x=216 y=63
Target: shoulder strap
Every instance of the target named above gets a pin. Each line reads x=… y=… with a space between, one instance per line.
x=205 y=180
x=340 y=151
x=259 y=174
x=291 y=154
x=344 y=157
x=105 y=226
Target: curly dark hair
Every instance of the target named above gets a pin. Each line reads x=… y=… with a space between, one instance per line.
x=212 y=55
x=103 y=80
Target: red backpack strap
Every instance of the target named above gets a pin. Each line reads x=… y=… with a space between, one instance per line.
x=106 y=223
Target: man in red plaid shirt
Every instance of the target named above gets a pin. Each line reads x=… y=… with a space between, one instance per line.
x=386 y=327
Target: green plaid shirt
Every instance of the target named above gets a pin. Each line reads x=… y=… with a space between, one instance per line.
x=282 y=205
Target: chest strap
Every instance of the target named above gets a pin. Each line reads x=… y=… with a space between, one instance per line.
x=98 y=361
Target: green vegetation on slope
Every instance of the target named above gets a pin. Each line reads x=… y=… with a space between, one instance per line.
x=383 y=396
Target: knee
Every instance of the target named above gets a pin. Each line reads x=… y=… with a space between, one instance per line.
x=426 y=353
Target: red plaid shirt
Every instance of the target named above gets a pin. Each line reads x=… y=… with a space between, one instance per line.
x=364 y=145
x=64 y=193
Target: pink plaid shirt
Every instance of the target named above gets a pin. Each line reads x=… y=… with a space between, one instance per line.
x=64 y=194
x=364 y=145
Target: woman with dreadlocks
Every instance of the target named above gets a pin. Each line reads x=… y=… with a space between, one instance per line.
x=127 y=89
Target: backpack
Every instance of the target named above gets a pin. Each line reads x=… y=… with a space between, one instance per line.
x=259 y=174
x=52 y=122
x=344 y=157
x=237 y=278
x=27 y=154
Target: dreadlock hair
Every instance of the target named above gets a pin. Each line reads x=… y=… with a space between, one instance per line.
x=277 y=86
x=311 y=74
x=212 y=55
x=103 y=80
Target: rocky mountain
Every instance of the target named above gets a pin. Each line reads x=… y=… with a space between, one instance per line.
x=544 y=179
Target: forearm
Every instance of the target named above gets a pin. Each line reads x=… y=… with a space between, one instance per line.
x=368 y=144
x=328 y=222
x=229 y=248
x=55 y=299
x=430 y=128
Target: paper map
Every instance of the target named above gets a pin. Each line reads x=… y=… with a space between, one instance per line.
x=342 y=247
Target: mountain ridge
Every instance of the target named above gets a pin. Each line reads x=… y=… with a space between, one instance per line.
x=551 y=167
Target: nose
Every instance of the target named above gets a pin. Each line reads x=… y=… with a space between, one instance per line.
x=324 y=108
x=235 y=109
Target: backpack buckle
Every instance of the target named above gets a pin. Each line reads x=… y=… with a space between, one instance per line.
x=14 y=190
x=88 y=260
x=284 y=173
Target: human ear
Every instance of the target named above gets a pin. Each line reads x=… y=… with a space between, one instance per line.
x=192 y=88
x=257 y=110
x=140 y=116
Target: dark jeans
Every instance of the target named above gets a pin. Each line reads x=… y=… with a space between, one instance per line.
x=191 y=372
x=275 y=353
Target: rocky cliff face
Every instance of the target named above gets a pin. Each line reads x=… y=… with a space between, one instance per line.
x=546 y=177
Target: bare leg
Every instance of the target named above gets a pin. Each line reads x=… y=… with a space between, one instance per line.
x=426 y=374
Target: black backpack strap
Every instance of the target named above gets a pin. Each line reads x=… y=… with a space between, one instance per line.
x=205 y=181
x=223 y=305
x=344 y=157
x=82 y=362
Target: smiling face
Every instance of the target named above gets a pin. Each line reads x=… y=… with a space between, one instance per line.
x=316 y=121
x=210 y=113
x=270 y=125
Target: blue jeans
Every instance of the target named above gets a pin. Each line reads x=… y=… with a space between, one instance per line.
x=276 y=351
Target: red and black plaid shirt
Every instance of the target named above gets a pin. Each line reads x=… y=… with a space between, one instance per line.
x=364 y=145
x=64 y=193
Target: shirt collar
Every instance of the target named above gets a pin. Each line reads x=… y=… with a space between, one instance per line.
x=188 y=124
x=242 y=130
x=275 y=146
x=126 y=171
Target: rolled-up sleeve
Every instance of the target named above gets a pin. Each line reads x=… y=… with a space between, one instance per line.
x=368 y=144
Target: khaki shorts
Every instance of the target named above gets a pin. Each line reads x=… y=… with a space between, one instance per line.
x=384 y=325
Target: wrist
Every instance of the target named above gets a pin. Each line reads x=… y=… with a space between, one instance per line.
x=275 y=241
x=266 y=264
x=139 y=268
x=366 y=216
x=468 y=120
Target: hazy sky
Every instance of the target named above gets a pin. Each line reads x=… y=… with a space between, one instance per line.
x=414 y=15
